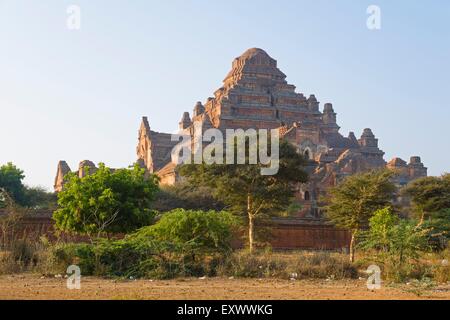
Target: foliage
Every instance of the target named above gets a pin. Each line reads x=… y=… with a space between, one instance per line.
x=183 y=195
x=9 y=221
x=182 y=243
x=397 y=245
x=11 y=183
x=203 y=230
x=106 y=201
x=11 y=179
x=39 y=198
x=439 y=224
x=398 y=238
x=245 y=190
x=429 y=194
x=381 y=227
x=351 y=203
x=430 y=197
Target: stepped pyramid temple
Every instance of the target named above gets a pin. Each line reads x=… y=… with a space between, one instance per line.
x=255 y=94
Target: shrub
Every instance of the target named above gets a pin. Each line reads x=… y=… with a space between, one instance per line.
x=202 y=230
x=395 y=241
x=181 y=243
x=106 y=201
x=320 y=265
x=22 y=255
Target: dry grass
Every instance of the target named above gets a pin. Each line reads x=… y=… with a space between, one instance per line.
x=289 y=265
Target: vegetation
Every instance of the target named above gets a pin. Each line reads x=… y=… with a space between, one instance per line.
x=429 y=195
x=11 y=183
x=196 y=241
x=245 y=190
x=353 y=202
x=184 y=195
x=294 y=265
x=205 y=230
x=106 y=201
x=11 y=179
x=181 y=243
x=396 y=243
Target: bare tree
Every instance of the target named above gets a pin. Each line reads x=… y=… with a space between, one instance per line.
x=10 y=219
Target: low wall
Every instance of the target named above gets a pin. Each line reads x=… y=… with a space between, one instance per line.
x=287 y=234
x=308 y=234
x=35 y=224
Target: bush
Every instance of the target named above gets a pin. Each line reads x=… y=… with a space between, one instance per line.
x=203 y=230
x=397 y=245
x=319 y=265
x=182 y=243
x=22 y=255
x=394 y=239
x=125 y=258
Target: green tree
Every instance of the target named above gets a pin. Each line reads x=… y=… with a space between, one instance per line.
x=381 y=226
x=39 y=198
x=245 y=190
x=352 y=202
x=439 y=225
x=106 y=201
x=429 y=195
x=395 y=239
x=11 y=181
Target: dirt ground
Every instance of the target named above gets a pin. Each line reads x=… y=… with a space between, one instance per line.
x=31 y=286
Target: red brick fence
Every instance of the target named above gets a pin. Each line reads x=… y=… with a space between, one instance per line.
x=287 y=233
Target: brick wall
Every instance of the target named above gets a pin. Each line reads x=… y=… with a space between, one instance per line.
x=308 y=234
x=287 y=234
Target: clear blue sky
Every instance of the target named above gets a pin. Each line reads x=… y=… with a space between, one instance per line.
x=78 y=95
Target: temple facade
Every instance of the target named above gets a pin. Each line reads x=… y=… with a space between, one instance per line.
x=255 y=94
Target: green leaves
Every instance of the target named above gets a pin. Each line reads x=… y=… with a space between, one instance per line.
x=400 y=239
x=182 y=243
x=352 y=202
x=232 y=183
x=245 y=191
x=204 y=230
x=106 y=201
x=11 y=182
x=429 y=194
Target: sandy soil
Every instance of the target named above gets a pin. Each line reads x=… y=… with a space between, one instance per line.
x=31 y=286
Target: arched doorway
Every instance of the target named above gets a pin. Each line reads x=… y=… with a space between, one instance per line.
x=306 y=154
x=307 y=196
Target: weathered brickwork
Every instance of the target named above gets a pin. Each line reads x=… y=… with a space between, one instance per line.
x=255 y=94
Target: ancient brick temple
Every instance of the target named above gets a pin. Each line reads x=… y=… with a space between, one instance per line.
x=255 y=94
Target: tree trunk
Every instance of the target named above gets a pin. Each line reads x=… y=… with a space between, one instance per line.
x=422 y=218
x=250 y=233
x=352 y=247
x=250 y=223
